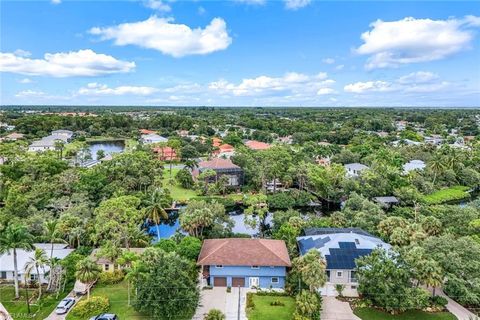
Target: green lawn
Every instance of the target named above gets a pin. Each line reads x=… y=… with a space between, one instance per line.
x=117 y=294
x=18 y=308
x=373 y=314
x=448 y=194
x=177 y=192
x=264 y=311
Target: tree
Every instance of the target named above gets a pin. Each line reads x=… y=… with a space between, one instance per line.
x=436 y=165
x=52 y=233
x=256 y=211
x=87 y=272
x=189 y=247
x=155 y=209
x=175 y=293
x=38 y=261
x=184 y=177
x=15 y=237
x=175 y=144
x=312 y=269
x=199 y=215
x=426 y=270
x=308 y=305
x=59 y=146
x=100 y=154
x=129 y=260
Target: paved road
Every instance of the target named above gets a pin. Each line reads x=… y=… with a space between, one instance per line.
x=333 y=309
x=54 y=316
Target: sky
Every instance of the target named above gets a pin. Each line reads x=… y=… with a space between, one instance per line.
x=240 y=53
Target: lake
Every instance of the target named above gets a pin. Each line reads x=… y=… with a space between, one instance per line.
x=109 y=147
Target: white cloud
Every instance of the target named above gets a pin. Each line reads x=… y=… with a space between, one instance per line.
x=22 y=53
x=410 y=40
x=65 y=64
x=30 y=94
x=96 y=89
x=324 y=91
x=418 y=77
x=340 y=67
x=328 y=60
x=252 y=2
x=292 y=82
x=162 y=34
x=25 y=81
x=369 y=86
x=158 y=5
x=296 y=4
x=429 y=87
x=201 y=11
x=56 y=1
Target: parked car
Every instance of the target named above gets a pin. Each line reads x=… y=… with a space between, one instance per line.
x=64 y=305
x=105 y=316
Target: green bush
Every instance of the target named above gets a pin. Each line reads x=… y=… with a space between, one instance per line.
x=446 y=195
x=438 y=301
x=277 y=303
x=111 y=277
x=229 y=289
x=87 y=308
x=250 y=303
x=214 y=314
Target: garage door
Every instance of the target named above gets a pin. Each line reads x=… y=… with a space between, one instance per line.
x=219 y=282
x=238 y=282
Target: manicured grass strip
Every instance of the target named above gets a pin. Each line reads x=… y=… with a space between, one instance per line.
x=18 y=308
x=176 y=191
x=264 y=311
x=374 y=314
x=448 y=194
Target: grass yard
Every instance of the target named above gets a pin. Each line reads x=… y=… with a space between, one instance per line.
x=118 y=296
x=177 y=192
x=448 y=194
x=373 y=314
x=18 y=308
x=264 y=311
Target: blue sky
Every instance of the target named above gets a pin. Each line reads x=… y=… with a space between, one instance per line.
x=240 y=53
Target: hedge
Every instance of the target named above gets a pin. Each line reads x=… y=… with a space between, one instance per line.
x=445 y=195
x=87 y=308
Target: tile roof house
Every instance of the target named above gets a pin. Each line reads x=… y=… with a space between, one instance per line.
x=146 y=131
x=257 y=145
x=340 y=247
x=224 y=150
x=106 y=264
x=60 y=251
x=413 y=165
x=14 y=136
x=166 y=153
x=222 y=167
x=260 y=263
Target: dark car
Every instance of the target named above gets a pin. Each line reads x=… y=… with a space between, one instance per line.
x=105 y=316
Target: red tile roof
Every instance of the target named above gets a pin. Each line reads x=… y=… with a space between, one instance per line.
x=218 y=163
x=257 y=145
x=244 y=252
x=146 y=131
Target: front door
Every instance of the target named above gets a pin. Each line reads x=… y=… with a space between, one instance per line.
x=253 y=282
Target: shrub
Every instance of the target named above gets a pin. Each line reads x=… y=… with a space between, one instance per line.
x=214 y=314
x=229 y=289
x=340 y=288
x=87 y=308
x=438 y=301
x=250 y=303
x=277 y=303
x=111 y=277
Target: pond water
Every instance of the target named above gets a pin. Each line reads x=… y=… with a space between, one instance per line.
x=109 y=147
x=168 y=230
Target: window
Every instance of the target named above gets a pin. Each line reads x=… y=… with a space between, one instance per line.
x=274 y=279
x=33 y=277
x=219 y=266
x=354 y=287
x=328 y=275
x=107 y=267
x=255 y=267
x=353 y=276
x=357 y=241
x=339 y=274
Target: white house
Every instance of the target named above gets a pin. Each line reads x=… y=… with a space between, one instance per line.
x=354 y=169
x=48 y=143
x=152 y=138
x=65 y=133
x=413 y=165
x=340 y=247
x=60 y=251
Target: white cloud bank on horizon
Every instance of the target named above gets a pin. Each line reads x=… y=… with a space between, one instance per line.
x=170 y=38
x=96 y=89
x=394 y=43
x=86 y=63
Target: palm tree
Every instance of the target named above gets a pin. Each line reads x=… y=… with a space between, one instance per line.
x=136 y=236
x=39 y=260
x=13 y=237
x=436 y=165
x=128 y=261
x=191 y=164
x=52 y=233
x=87 y=272
x=155 y=211
x=59 y=146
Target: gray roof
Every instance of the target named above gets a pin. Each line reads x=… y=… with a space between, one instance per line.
x=318 y=231
x=356 y=166
x=386 y=200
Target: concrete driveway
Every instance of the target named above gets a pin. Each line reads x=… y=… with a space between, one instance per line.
x=54 y=316
x=219 y=298
x=333 y=309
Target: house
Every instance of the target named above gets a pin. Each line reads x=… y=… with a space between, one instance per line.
x=166 y=154
x=257 y=145
x=407 y=142
x=108 y=265
x=323 y=161
x=286 y=139
x=47 y=143
x=14 y=136
x=146 y=131
x=222 y=167
x=340 y=247
x=386 y=202
x=224 y=150
x=233 y=262
x=60 y=251
x=152 y=138
x=413 y=165
x=434 y=139
x=354 y=169
x=216 y=142
x=401 y=125
x=63 y=133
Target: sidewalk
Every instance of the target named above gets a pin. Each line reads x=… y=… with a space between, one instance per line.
x=455 y=308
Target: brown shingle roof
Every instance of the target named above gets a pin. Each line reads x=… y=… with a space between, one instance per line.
x=244 y=252
x=217 y=163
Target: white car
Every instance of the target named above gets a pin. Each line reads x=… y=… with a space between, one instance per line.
x=64 y=305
